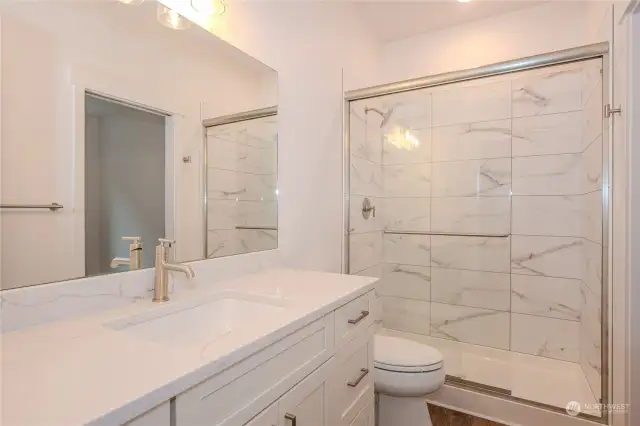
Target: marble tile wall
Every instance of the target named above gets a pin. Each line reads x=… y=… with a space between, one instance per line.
x=242 y=187
x=518 y=155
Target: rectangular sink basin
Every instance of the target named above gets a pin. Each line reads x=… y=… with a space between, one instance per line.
x=186 y=324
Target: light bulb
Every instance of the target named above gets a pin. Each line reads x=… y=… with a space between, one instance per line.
x=172 y=19
x=132 y=2
x=464 y=1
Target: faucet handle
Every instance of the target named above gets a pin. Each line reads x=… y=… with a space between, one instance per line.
x=166 y=242
x=134 y=240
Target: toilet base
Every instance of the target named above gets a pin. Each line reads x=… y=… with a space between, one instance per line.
x=405 y=411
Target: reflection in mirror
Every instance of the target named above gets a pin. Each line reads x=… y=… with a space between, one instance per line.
x=119 y=129
x=242 y=162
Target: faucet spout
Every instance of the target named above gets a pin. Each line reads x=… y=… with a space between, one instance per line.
x=118 y=261
x=179 y=267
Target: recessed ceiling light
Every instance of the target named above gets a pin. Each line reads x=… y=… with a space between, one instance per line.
x=464 y=1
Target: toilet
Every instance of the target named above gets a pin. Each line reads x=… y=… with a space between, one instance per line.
x=405 y=371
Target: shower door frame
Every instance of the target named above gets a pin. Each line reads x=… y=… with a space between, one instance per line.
x=577 y=54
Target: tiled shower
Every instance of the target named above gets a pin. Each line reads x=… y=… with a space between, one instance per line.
x=488 y=225
x=242 y=207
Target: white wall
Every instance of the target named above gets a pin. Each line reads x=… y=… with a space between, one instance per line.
x=42 y=68
x=309 y=43
x=552 y=26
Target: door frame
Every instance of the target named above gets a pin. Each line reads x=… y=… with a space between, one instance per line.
x=119 y=90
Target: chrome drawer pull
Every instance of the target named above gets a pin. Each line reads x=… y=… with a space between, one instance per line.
x=364 y=372
x=362 y=316
x=291 y=417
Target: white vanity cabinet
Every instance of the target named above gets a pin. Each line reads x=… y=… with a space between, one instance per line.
x=320 y=375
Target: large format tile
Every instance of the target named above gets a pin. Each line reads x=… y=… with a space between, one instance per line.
x=407 y=249
x=472 y=325
x=557 y=215
x=592 y=204
x=411 y=109
x=489 y=290
x=547 y=91
x=357 y=222
x=257 y=213
x=547 y=297
x=365 y=251
x=563 y=174
x=592 y=118
x=366 y=177
x=561 y=257
x=592 y=158
x=409 y=180
x=222 y=214
x=408 y=214
x=547 y=337
x=591 y=339
x=406 y=281
x=250 y=240
x=548 y=134
x=591 y=78
x=473 y=253
x=472 y=102
x=392 y=154
x=224 y=184
x=408 y=315
x=489 y=215
x=221 y=242
x=365 y=134
x=472 y=141
x=489 y=178
x=592 y=266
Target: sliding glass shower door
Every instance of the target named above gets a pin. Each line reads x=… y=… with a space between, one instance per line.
x=480 y=206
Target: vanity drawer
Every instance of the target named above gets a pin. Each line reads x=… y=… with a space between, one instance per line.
x=236 y=395
x=159 y=416
x=351 y=383
x=268 y=417
x=354 y=317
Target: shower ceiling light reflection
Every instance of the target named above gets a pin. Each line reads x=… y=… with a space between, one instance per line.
x=402 y=138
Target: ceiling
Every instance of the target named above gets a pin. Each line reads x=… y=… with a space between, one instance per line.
x=395 y=20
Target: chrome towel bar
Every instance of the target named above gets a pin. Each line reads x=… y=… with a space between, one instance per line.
x=448 y=234
x=262 y=228
x=53 y=206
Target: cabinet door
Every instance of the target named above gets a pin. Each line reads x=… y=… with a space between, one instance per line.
x=268 y=417
x=306 y=404
x=366 y=417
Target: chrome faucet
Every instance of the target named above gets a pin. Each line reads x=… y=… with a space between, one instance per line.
x=163 y=266
x=135 y=254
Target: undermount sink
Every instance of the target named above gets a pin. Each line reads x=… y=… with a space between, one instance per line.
x=201 y=321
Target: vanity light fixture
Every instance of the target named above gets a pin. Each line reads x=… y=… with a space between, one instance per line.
x=464 y=1
x=209 y=7
x=172 y=19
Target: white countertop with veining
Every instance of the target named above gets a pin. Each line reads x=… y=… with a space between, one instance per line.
x=80 y=371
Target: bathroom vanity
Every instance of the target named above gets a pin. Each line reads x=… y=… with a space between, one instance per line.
x=282 y=347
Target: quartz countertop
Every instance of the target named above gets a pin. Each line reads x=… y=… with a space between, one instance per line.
x=80 y=371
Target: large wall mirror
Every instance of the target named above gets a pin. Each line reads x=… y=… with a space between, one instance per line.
x=124 y=122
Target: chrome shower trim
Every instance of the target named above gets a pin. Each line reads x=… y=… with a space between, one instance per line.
x=538 y=61
x=241 y=116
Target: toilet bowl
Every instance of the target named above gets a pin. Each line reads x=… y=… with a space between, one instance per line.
x=405 y=371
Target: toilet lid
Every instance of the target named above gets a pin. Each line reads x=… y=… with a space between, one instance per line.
x=403 y=355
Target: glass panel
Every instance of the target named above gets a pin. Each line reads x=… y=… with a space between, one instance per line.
x=487 y=233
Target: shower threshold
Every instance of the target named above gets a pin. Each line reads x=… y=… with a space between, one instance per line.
x=543 y=382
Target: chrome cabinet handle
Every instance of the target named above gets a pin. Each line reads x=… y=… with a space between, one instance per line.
x=364 y=372
x=291 y=417
x=362 y=316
